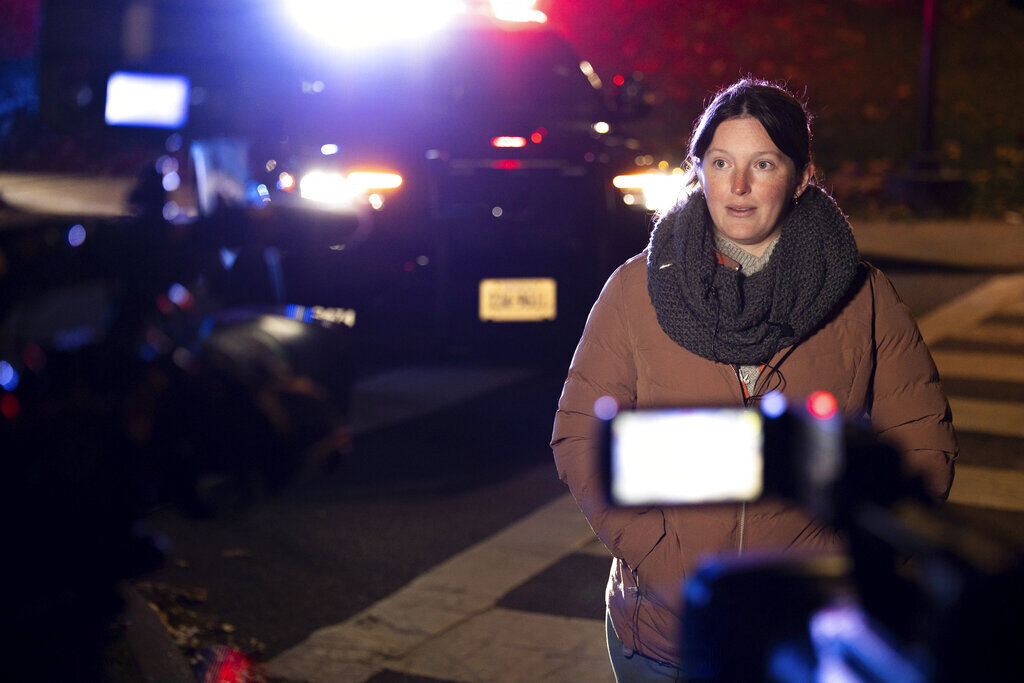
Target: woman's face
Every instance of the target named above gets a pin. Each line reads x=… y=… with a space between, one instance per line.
x=748 y=183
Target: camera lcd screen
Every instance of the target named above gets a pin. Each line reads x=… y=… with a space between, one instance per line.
x=685 y=456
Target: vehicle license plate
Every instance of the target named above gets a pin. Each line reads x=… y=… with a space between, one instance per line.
x=518 y=299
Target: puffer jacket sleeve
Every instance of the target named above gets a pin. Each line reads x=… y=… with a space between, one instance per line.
x=909 y=408
x=603 y=365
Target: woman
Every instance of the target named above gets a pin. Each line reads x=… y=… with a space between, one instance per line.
x=751 y=284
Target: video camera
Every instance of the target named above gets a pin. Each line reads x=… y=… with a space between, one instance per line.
x=923 y=595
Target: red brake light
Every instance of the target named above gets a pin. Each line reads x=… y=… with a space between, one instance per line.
x=618 y=80
x=507 y=164
x=536 y=137
x=508 y=141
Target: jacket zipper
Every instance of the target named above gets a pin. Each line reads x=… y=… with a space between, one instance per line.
x=746 y=403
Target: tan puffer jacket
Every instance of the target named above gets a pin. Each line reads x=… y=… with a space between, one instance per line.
x=869 y=355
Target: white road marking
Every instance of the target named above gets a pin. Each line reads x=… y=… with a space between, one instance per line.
x=460 y=588
x=988 y=417
x=998 y=333
x=511 y=645
x=974 y=365
x=66 y=194
x=1016 y=308
x=989 y=488
x=970 y=308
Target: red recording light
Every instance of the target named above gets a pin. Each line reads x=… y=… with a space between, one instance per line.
x=618 y=80
x=508 y=141
x=507 y=164
x=822 y=405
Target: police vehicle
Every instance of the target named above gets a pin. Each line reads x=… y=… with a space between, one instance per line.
x=446 y=174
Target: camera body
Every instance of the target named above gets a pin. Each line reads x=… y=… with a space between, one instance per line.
x=922 y=595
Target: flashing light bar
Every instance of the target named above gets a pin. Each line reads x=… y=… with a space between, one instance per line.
x=145 y=99
x=508 y=141
x=353 y=25
x=358 y=24
x=517 y=11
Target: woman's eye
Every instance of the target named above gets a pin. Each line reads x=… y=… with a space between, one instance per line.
x=718 y=163
x=764 y=165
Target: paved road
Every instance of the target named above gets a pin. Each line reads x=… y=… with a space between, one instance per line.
x=447 y=549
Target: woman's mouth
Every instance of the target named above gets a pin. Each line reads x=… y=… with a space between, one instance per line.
x=740 y=211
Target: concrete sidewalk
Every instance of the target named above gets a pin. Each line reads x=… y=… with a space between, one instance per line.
x=984 y=244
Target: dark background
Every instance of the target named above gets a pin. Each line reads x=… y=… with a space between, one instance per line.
x=857 y=61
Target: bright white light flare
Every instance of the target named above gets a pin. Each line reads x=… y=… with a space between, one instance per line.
x=660 y=191
x=518 y=11
x=343 y=191
x=328 y=188
x=374 y=180
x=352 y=25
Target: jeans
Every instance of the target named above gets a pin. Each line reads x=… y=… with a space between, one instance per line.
x=633 y=667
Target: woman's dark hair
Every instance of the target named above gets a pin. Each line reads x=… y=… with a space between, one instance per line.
x=784 y=117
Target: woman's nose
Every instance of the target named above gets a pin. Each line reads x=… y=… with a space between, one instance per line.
x=740 y=182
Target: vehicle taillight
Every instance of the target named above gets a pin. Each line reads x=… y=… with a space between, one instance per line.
x=508 y=141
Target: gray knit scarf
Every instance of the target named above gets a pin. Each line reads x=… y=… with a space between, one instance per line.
x=721 y=314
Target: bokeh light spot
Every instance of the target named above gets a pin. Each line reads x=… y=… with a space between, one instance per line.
x=822 y=405
x=76 y=235
x=8 y=376
x=606 y=407
x=10 y=406
x=773 y=404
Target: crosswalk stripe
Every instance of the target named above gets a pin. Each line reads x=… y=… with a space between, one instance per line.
x=982 y=366
x=988 y=417
x=970 y=308
x=988 y=487
x=998 y=333
x=459 y=589
x=561 y=649
x=1016 y=308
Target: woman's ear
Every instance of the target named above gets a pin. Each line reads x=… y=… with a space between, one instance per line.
x=697 y=170
x=803 y=181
